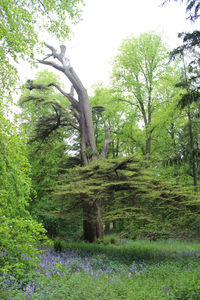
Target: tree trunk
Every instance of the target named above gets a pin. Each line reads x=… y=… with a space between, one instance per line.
x=92 y=221
x=193 y=162
x=148 y=131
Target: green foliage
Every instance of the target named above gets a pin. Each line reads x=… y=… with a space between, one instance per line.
x=144 y=82
x=19 y=239
x=133 y=194
x=19 y=233
x=21 y=23
x=44 y=110
x=127 y=251
x=15 y=170
x=44 y=118
x=190 y=292
x=107 y=112
x=154 y=93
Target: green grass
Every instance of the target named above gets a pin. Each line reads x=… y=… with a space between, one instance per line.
x=163 y=270
x=142 y=250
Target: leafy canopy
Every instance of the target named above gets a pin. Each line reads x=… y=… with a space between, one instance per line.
x=20 y=24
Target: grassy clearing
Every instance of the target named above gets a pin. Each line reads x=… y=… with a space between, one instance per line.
x=125 y=270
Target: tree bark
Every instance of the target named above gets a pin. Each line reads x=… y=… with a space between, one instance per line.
x=92 y=221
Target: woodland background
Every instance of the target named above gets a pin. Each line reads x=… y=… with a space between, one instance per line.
x=123 y=160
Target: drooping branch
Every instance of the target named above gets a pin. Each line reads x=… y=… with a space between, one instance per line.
x=46 y=126
x=31 y=86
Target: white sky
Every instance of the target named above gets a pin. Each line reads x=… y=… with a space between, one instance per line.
x=107 y=22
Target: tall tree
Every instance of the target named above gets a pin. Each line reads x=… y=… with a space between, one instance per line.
x=137 y=69
x=189 y=102
x=190 y=80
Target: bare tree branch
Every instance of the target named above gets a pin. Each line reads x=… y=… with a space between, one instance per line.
x=52 y=64
x=65 y=68
x=33 y=86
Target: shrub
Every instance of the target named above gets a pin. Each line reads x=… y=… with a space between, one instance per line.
x=19 y=239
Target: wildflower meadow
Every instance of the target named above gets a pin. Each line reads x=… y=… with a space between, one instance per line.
x=125 y=270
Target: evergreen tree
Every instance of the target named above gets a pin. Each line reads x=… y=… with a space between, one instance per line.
x=134 y=193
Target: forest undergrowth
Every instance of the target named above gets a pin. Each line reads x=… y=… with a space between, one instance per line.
x=116 y=269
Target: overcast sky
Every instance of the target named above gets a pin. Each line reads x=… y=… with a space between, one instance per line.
x=107 y=22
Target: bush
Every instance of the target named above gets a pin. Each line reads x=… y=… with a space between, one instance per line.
x=19 y=239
